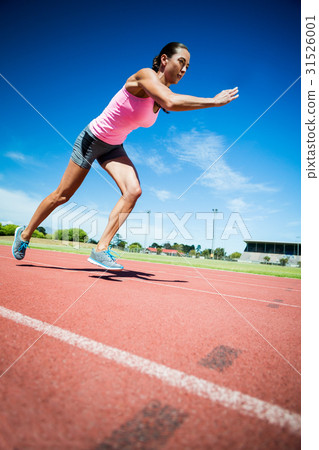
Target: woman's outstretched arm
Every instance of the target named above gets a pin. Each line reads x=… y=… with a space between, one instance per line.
x=148 y=80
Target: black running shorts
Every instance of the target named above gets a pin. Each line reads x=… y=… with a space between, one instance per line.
x=87 y=148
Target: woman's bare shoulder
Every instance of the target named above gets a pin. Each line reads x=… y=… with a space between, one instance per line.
x=132 y=83
x=142 y=73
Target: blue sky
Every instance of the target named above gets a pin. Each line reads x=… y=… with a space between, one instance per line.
x=68 y=59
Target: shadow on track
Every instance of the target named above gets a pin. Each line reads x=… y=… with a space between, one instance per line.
x=109 y=274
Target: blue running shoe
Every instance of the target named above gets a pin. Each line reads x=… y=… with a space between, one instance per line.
x=19 y=246
x=105 y=259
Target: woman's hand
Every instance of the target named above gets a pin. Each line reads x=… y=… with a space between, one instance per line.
x=226 y=96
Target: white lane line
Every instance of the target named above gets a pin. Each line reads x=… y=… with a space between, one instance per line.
x=211 y=293
x=222 y=280
x=65 y=269
x=242 y=403
x=221 y=272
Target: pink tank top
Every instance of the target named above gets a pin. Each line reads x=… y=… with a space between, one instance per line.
x=124 y=113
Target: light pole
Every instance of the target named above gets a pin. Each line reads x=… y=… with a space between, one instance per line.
x=214 y=211
x=148 y=212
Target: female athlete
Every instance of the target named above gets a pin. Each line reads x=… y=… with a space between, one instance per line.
x=137 y=104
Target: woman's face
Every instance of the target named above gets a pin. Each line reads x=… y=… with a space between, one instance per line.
x=175 y=67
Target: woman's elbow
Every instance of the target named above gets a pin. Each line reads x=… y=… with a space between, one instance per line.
x=168 y=104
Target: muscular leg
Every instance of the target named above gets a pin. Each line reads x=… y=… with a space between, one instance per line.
x=70 y=182
x=124 y=174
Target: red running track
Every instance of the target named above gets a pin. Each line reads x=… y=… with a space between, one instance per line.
x=155 y=356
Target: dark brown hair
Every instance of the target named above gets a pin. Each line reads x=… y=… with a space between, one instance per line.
x=169 y=50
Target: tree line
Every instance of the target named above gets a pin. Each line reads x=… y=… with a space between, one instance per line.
x=71 y=234
x=79 y=235
x=185 y=249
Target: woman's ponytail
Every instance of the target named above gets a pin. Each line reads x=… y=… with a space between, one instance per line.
x=156 y=63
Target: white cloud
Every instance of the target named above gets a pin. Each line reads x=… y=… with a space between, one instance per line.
x=199 y=148
x=202 y=149
x=135 y=153
x=161 y=194
x=254 y=212
x=238 y=205
x=16 y=156
x=224 y=178
x=156 y=163
x=17 y=206
x=150 y=158
x=20 y=158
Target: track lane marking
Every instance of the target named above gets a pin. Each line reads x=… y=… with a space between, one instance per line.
x=220 y=280
x=225 y=274
x=65 y=269
x=228 y=398
x=213 y=293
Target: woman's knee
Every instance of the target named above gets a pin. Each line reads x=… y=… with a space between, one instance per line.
x=59 y=197
x=132 y=192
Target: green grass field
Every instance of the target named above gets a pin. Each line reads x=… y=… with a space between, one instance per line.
x=85 y=249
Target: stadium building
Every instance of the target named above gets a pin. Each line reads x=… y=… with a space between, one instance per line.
x=255 y=251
